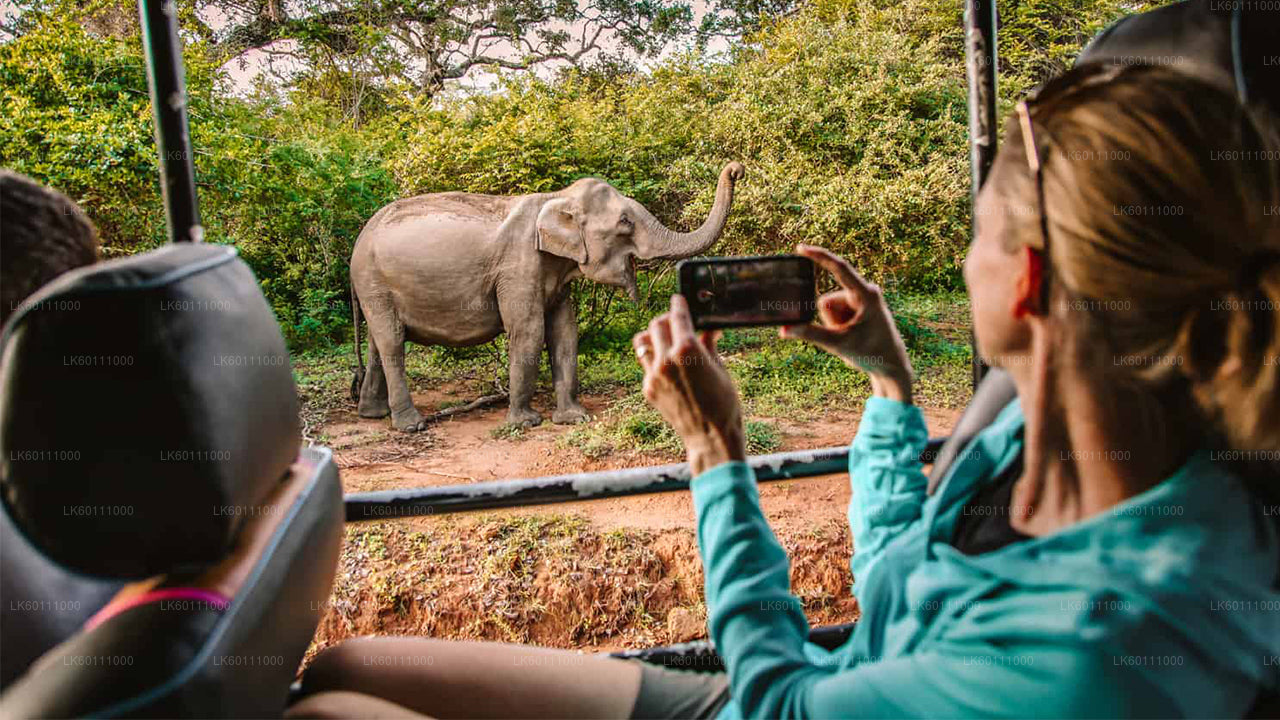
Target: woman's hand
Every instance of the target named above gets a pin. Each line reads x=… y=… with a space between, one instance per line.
x=685 y=381
x=857 y=327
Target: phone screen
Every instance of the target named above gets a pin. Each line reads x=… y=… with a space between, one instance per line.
x=736 y=292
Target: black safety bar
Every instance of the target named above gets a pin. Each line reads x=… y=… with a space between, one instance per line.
x=383 y=504
x=980 y=71
x=167 y=80
x=576 y=487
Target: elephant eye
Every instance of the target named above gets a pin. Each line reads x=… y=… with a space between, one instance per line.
x=624 y=220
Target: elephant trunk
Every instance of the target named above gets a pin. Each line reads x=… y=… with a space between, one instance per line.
x=656 y=240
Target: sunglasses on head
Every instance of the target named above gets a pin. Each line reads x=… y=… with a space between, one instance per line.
x=1043 y=99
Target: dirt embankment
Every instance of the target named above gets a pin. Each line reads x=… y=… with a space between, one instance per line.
x=594 y=575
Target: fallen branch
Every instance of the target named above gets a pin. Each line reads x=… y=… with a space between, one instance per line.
x=476 y=404
x=449 y=475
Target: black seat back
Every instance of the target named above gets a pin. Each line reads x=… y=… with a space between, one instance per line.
x=994 y=392
x=41 y=602
x=1231 y=43
x=149 y=428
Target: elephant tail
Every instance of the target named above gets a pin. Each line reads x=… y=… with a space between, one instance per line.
x=358 y=380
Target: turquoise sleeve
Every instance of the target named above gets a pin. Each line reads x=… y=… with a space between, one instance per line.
x=758 y=626
x=760 y=631
x=985 y=665
x=885 y=474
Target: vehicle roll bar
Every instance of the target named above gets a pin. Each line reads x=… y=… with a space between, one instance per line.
x=167 y=79
x=980 y=72
x=384 y=504
x=490 y=495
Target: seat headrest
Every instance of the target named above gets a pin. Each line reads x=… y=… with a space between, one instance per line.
x=147 y=406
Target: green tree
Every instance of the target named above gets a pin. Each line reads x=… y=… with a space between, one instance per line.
x=849 y=114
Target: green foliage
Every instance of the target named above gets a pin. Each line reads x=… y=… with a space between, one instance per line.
x=1042 y=39
x=74 y=113
x=872 y=165
x=290 y=189
x=508 y=431
x=849 y=115
x=762 y=437
x=294 y=204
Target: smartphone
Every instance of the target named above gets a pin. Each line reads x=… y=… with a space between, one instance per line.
x=743 y=291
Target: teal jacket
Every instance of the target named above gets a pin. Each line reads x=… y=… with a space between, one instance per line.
x=1163 y=606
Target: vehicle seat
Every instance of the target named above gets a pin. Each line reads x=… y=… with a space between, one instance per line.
x=1230 y=43
x=149 y=447
x=992 y=395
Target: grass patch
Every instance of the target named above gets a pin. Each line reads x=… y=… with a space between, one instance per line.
x=780 y=379
x=762 y=437
x=508 y=431
x=630 y=424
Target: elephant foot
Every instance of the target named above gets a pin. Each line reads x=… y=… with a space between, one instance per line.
x=524 y=417
x=374 y=409
x=409 y=421
x=570 y=414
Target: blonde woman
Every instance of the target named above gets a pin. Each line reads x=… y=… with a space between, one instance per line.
x=1094 y=552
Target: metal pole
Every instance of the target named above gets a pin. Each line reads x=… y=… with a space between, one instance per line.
x=980 y=71
x=385 y=504
x=169 y=104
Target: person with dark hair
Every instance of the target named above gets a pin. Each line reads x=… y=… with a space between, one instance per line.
x=42 y=235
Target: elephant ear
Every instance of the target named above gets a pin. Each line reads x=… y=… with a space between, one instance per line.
x=559 y=232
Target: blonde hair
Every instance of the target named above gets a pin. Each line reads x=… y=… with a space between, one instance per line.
x=1162 y=200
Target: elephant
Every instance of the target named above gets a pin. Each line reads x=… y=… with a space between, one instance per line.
x=458 y=269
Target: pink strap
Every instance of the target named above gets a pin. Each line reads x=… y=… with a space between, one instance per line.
x=211 y=597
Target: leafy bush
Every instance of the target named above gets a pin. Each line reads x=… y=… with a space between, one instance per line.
x=294 y=207
x=762 y=437
x=852 y=132
x=290 y=189
x=74 y=113
x=849 y=115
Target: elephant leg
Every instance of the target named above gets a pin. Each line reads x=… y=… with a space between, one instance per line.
x=524 y=346
x=387 y=334
x=373 y=392
x=562 y=349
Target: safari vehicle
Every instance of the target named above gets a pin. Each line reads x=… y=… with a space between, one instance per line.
x=243 y=525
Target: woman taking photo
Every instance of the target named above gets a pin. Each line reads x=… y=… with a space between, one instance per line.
x=1095 y=552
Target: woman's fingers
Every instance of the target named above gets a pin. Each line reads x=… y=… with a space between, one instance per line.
x=644 y=349
x=682 y=332
x=835 y=314
x=682 y=339
x=839 y=309
x=839 y=267
x=813 y=333
x=660 y=336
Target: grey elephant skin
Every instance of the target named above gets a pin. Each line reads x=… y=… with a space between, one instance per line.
x=458 y=269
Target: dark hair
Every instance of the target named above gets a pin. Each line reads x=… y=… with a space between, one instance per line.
x=42 y=235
